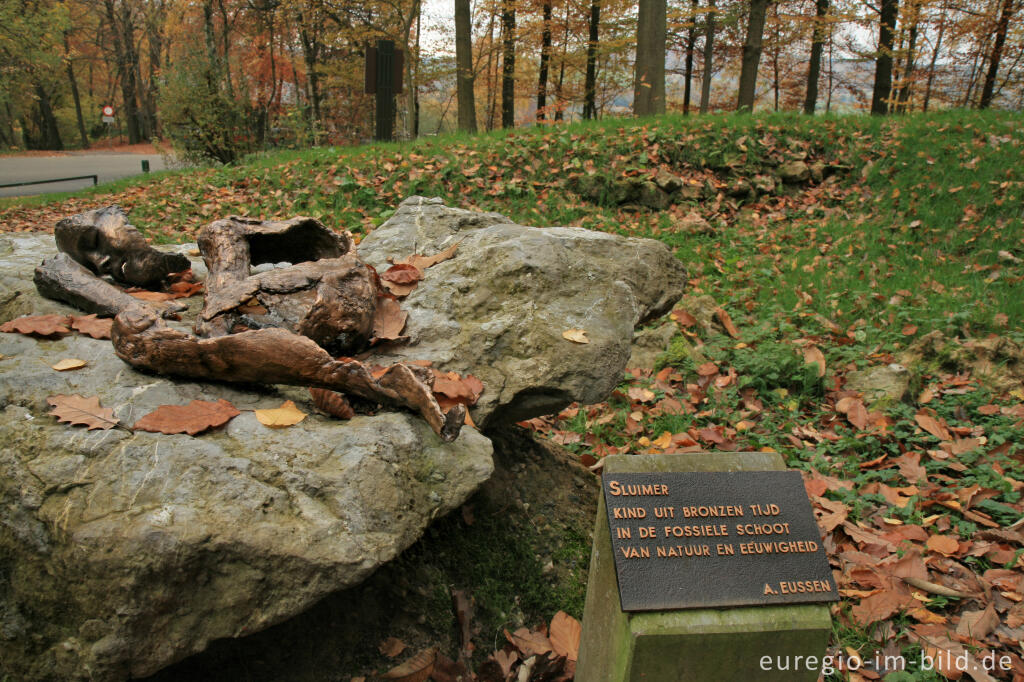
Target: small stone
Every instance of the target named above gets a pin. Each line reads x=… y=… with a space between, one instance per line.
x=793 y=172
x=883 y=382
x=668 y=182
x=764 y=184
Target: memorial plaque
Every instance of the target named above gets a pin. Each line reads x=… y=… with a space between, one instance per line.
x=714 y=539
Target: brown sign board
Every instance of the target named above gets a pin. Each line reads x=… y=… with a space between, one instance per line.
x=688 y=540
x=370 y=71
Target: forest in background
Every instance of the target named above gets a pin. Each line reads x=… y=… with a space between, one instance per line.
x=221 y=78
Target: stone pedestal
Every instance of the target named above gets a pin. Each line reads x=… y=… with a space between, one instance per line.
x=693 y=644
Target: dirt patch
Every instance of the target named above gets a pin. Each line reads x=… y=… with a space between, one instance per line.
x=996 y=361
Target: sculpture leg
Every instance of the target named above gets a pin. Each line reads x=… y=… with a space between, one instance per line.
x=272 y=356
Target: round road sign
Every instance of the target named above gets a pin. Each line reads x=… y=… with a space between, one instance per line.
x=108 y=110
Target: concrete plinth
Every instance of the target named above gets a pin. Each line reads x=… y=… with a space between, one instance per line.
x=696 y=645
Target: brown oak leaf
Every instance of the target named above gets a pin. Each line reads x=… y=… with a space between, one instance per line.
x=465 y=389
x=38 y=325
x=416 y=669
x=389 y=320
x=564 y=634
x=196 y=417
x=424 y=262
x=91 y=325
x=81 y=411
x=402 y=273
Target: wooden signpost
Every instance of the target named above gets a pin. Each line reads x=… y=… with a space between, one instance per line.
x=383 y=77
x=703 y=565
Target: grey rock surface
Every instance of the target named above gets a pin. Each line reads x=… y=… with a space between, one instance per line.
x=121 y=551
x=888 y=382
x=497 y=310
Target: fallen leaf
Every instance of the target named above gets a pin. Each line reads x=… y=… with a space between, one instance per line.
x=726 y=321
x=152 y=296
x=402 y=273
x=909 y=329
x=68 y=364
x=416 y=669
x=813 y=355
x=978 y=624
x=576 y=335
x=564 y=634
x=90 y=325
x=38 y=325
x=196 y=417
x=683 y=318
x=389 y=320
x=391 y=647
x=462 y=389
x=943 y=544
x=280 y=417
x=81 y=411
x=932 y=425
x=529 y=643
x=424 y=262
x=854 y=410
x=332 y=403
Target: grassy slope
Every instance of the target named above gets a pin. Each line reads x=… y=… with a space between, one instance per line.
x=905 y=240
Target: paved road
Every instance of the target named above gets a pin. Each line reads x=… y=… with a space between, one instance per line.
x=107 y=165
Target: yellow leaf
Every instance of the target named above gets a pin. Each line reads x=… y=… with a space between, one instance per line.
x=68 y=364
x=576 y=335
x=279 y=417
x=664 y=440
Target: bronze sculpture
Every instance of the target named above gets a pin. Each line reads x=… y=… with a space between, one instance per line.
x=280 y=326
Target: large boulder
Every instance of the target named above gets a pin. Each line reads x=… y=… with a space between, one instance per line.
x=498 y=308
x=124 y=551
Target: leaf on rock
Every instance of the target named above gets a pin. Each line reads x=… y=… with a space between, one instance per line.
x=391 y=647
x=461 y=389
x=81 y=411
x=683 y=318
x=402 y=273
x=151 y=296
x=280 y=417
x=68 y=364
x=424 y=262
x=38 y=325
x=416 y=669
x=389 y=321
x=576 y=335
x=185 y=289
x=196 y=417
x=398 y=290
x=564 y=635
x=332 y=403
x=90 y=325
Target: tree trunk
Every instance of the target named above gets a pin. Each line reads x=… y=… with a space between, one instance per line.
x=545 y=60
x=491 y=77
x=935 y=57
x=814 y=68
x=997 y=53
x=559 y=108
x=751 y=55
x=649 y=79
x=123 y=33
x=903 y=98
x=691 y=37
x=49 y=133
x=775 y=55
x=887 y=17
x=311 y=55
x=709 y=38
x=508 y=64
x=73 y=82
x=590 y=87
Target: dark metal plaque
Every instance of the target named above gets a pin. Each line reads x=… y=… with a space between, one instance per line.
x=713 y=539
